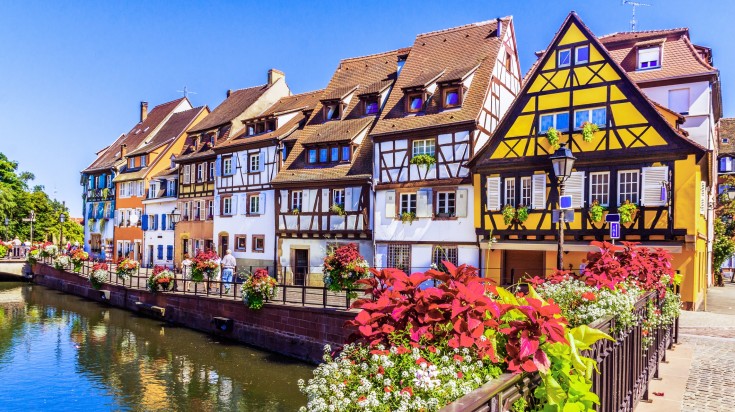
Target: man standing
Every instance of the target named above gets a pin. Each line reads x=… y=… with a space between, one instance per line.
x=228 y=269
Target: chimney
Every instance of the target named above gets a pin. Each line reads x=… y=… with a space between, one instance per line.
x=143 y=111
x=123 y=151
x=274 y=75
x=499 y=30
x=229 y=92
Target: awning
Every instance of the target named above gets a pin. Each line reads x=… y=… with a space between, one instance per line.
x=569 y=246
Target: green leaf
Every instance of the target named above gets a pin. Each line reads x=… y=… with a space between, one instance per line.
x=506 y=297
x=574 y=407
x=586 y=336
x=555 y=394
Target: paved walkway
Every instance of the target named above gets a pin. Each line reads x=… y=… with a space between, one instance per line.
x=700 y=375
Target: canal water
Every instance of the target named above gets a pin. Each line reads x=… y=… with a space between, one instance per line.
x=59 y=352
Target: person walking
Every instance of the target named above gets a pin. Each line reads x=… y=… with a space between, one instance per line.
x=186 y=271
x=228 y=270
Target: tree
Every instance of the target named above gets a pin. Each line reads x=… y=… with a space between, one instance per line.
x=724 y=242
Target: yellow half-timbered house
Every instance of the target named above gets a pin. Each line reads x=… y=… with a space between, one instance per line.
x=632 y=159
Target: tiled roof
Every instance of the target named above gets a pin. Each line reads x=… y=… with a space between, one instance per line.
x=167 y=173
x=233 y=106
x=173 y=128
x=134 y=137
x=445 y=55
x=301 y=101
x=337 y=131
x=726 y=130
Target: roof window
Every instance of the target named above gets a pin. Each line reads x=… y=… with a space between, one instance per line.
x=649 y=58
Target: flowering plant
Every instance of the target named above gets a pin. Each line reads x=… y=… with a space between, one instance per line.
x=33 y=255
x=50 y=250
x=98 y=275
x=126 y=268
x=259 y=287
x=204 y=264
x=343 y=267
x=62 y=262
x=3 y=250
x=79 y=257
x=161 y=279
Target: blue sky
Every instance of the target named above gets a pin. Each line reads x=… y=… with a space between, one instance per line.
x=72 y=74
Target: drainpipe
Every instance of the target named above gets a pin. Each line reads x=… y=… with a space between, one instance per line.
x=372 y=218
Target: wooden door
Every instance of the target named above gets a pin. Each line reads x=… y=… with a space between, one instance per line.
x=520 y=264
x=300 y=266
x=224 y=244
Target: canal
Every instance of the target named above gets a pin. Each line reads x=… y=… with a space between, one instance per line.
x=61 y=352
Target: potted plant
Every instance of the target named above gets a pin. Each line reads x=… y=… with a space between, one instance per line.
x=424 y=159
x=295 y=211
x=258 y=288
x=204 y=264
x=509 y=214
x=521 y=214
x=408 y=217
x=49 y=250
x=596 y=211
x=553 y=135
x=162 y=279
x=98 y=276
x=343 y=267
x=105 y=192
x=33 y=255
x=126 y=268
x=78 y=258
x=338 y=209
x=588 y=131
x=62 y=262
x=627 y=211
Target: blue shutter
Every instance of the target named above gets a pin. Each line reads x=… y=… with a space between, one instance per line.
x=160 y=252
x=169 y=252
x=100 y=210
x=145 y=222
x=163 y=222
x=112 y=210
x=90 y=211
x=218 y=166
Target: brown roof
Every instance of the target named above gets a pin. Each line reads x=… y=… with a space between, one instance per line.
x=301 y=101
x=173 y=128
x=358 y=74
x=443 y=56
x=108 y=158
x=166 y=173
x=233 y=106
x=726 y=130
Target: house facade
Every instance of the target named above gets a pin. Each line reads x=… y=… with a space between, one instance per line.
x=198 y=169
x=248 y=162
x=632 y=158
x=157 y=226
x=453 y=89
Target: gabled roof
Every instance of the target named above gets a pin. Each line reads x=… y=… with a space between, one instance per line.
x=173 y=128
x=234 y=105
x=726 y=130
x=439 y=56
x=109 y=158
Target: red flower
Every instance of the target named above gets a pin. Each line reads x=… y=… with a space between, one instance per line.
x=590 y=296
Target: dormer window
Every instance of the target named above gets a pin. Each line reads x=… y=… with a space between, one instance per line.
x=649 y=58
x=270 y=125
x=131 y=163
x=451 y=97
x=414 y=102
x=371 y=105
x=332 y=111
x=143 y=161
x=565 y=58
x=259 y=127
x=251 y=130
x=330 y=154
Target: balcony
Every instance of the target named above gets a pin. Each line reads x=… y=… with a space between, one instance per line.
x=96 y=195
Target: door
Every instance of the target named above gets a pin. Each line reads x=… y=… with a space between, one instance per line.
x=300 y=266
x=521 y=264
x=224 y=244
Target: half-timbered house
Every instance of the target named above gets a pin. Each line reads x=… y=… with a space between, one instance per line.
x=159 y=203
x=247 y=162
x=454 y=87
x=198 y=169
x=632 y=159
x=323 y=192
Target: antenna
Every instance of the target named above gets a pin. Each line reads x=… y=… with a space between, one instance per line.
x=633 y=21
x=186 y=92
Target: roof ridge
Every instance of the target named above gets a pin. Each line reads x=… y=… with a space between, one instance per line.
x=464 y=26
x=370 y=56
x=696 y=55
x=251 y=87
x=672 y=30
x=169 y=102
x=303 y=94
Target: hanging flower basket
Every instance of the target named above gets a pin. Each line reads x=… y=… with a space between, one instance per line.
x=553 y=135
x=588 y=131
x=627 y=211
x=258 y=288
x=596 y=211
x=78 y=259
x=126 y=269
x=425 y=160
x=204 y=264
x=162 y=279
x=343 y=267
x=98 y=276
x=408 y=217
x=338 y=209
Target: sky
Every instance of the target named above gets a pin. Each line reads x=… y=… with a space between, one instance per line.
x=72 y=73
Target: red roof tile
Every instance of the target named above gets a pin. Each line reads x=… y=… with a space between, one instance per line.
x=233 y=106
x=173 y=128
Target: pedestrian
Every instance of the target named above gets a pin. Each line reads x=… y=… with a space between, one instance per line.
x=228 y=270
x=582 y=266
x=186 y=270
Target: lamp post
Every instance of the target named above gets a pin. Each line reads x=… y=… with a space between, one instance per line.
x=174 y=217
x=62 y=219
x=7 y=228
x=562 y=161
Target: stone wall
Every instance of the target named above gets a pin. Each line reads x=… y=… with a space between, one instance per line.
x=295 y=331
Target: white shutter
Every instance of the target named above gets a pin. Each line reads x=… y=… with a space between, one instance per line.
x=702 y=198
x=233 y=208
x=651 y=178
x=284 y=201
x=187 y=174
x=261 y=161
x=461 y=198
x=423 y=203
x=305 y=205
x=134 y=218
x=390 y=204
x=217 y=205
x=353 y=200
x=574 y=187
x=493 y=193
x=348 y=200
x=261 y=204
x=326 y=201
x=244 y=205
x=538 y=192
x=117 y=218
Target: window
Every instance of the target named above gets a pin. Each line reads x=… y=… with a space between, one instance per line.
x=451 y=97
x=649 y=58
x=565 y=57
x=200 y=172
x=171 y=188
x=332 y=111
x=415 y=102
x=109 y=177
x=323 y=155
x=186 y=211
x=143 y=161
x=581 y=54
x=270 y=125
x=254 y=204
x=371 y=106
x=210 y=209
x=259 y=243
x=296 y=198
x=346 y=153
x=628 y=186
x=312 y=155
x=211 y=171
x=597 y=116
x=423 y=146
x=131 y=163
x=254 y=161
x=510 y=191
x=679 y=100
x=241 y=242
x=197 y=210
x=227 y=166
x=445 y=204
x=152 y=190
x=526 y=189
x=559 y=121
x=399 y=257
x=726 y=164
x=227 y=206
x=334 y=154
x=338 y=197
x=600 y=187
x=444 y=253
x=251 y=130
x=408 y=203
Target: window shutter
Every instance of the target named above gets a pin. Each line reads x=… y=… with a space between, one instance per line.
x=186 y=174
x=390 y=204
x=261 y=204
x=163 y=222
x=326 y=201
x=461 y=205
x=244 y=205
x=353 y=199
x=702 y=198
x=651 y=178
x=284 y=201
x=217 y=205
x=574 y=187
x=218 y=166
x=305 y=205
x=538 y=192
x=423 y=203
x=169 y=252
x=348 y=200
x=145 y=222
x=160 y=252
x=117 y=218
x=233 y=209
x=261 y=161
x=493 y=193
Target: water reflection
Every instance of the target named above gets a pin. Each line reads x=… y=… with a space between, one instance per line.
x=61 y=352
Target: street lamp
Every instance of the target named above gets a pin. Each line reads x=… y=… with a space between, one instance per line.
x=174 y=217
x=62 y=219
x=7 y=228
x=562 y=161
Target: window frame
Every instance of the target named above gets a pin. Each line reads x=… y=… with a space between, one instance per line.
x=346 y=150
x=411 y=203
x=226 y=209
x=576 y=54
x=558 y=57
x=526 y=191
x=589 y=117
x=452 y=257
x=339 y=194
x=425 y=142
x=210 y=176
x=509 y=191
x=254 y=159
x=367 y=102
x=200 y=172
x=403 y=252
x=620 y=183
x=409 y=98
x=639 y=62
x=255 y=248
x=450 y=89
x=449 y=209
x=293 y=196
x=594 y=185
x=244 y=239
x=309 y=152
x=227 y=165
x=555 y=116
x=253 y=198
x=337 y=108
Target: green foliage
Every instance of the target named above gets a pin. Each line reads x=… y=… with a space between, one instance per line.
x=596 y=211
x=520 y=405
x=723 y=246
x=588 y=131
x=338 y=209
x=423 y=160
x=627 y=211
x=521 y=214
x=408 y=217
x=105 y=192
x=553 y=136
x=509 y=214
